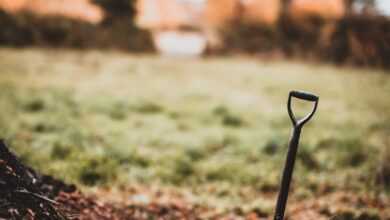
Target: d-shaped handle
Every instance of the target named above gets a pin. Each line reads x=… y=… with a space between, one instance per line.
x=304 y=96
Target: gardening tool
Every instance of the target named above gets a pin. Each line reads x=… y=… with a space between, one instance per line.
x=292 y=148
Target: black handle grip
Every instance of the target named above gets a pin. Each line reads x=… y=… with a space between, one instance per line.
x=304 y=95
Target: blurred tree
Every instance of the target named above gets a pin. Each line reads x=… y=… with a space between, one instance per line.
x=119 y=29
x=116 y=9
x=285 y=4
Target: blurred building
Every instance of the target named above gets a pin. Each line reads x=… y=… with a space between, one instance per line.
x=201 y=19
x=174 y=23
x=168 y=14
x=75 y=9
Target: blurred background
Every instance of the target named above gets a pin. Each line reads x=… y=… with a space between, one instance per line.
x=339 y=31
x=187 y=97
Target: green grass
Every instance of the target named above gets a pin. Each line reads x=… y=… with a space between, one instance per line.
x=106 y=118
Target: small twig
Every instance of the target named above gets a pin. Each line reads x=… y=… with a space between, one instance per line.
x=37 y=196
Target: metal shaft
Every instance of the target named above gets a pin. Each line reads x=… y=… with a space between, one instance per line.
x=287 y=173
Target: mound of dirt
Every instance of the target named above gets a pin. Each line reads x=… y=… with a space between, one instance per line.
x=22 y=192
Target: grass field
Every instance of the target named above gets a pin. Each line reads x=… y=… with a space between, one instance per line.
x=216 y=128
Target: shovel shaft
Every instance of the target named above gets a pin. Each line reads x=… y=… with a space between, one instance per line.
x=293 y=148
x=287 y=173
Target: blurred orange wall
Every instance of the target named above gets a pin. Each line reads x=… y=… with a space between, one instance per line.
x=156 y=14
x=173 y=13
x=327 y=9
x=220 y=12
x=260 y=11
x=167 y=14
x=77 y=9
x=12 y=5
